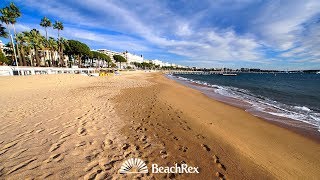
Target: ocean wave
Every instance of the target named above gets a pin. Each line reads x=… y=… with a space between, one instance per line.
x=263 y=104
x=303 y=108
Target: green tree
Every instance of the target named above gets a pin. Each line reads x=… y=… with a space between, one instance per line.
x=119 y=59
x=36 y=41
x=22 y=40
x=59 y=26
x=53 y=46
x=3 y=32
x=95 y=55
x=3 y=58
x=63 y=45
x=45 y=22
x=79 y=49
x=7 y=18
x=100 y=57
x=8 y=50
x=113 y=65
x=106 y=58
x=14 y=13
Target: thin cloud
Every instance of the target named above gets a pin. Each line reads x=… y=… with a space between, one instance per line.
x=208 y=31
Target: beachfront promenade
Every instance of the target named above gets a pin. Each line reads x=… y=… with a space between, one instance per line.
x=194 y=72
x=24 y=70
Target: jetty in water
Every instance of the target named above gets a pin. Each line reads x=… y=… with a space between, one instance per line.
x=199 y=72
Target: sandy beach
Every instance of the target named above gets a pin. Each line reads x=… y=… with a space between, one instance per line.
x=74 y=126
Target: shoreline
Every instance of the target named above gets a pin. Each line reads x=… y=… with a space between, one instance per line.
x=192 y=127
x=299 y=127
x=73 y=126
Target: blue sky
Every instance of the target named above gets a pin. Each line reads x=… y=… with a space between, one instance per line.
x=238 y=33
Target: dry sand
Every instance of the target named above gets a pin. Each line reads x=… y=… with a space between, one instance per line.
x=72 y=126
x=60 y=126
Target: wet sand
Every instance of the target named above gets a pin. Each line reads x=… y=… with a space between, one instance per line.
x=190 y=127
x=307 y=130
x=72 y=126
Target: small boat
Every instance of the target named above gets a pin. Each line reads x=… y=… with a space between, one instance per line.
x=229 y=74
x=318 y=72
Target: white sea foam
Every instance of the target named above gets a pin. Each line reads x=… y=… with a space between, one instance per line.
x=263 y=104
x=303 y=108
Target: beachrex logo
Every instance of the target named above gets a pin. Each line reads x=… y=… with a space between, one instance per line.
x=133 y=165
x=136 y=165
x=183 y=168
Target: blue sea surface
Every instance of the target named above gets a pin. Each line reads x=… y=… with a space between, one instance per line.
x=290 y=95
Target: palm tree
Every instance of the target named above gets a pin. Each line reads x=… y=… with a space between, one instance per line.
x=59 y=26
x=9 y=16
x=45 y=22
x=14 y=14
x=53 y=46
x=3 y=32
x=6 y=17
x=8 y=51
x=36 y=41
x=22 y=39
x=63 y=45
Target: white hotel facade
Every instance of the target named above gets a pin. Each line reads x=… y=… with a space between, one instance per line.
x=134 y=58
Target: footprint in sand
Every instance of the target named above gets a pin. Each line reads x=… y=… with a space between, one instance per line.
x=107 y=143
x=163 y=153
x=58 y=159
x=82 y=143
x=91 y=165
x=68 y=125
x=36 y=125
x=183 y=148
x=83 y=122
x=125 y=146
x=52 y=157
x=143 y=138
x=55 y=132
x=39 y=131
x=3 y=151
x=56 y=146
x=205 y=147
x=64 y=135
x=186 y=128
x=147 y=146
x=175 y=138
x=9 y=145
x=6 y=127
x=220 y=175
x=107 y=164
x=81 y=131
x=1 y=169
x=199 y=136
x=16 y=154
x=46 y=175
x=23 y=134
x=21 y=165
x=219 y=164
x=102 y=176
x=92 y=174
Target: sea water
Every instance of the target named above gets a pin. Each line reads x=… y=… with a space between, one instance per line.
x=289 y=95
